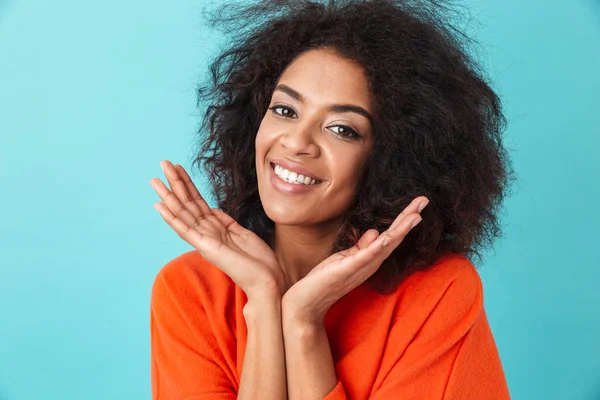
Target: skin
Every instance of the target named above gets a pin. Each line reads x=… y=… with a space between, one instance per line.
x=305 y=131
x=290 y=283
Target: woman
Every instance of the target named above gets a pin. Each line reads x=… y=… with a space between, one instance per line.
x=329 y=124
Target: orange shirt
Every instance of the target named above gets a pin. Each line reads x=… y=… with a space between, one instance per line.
x=430 y=339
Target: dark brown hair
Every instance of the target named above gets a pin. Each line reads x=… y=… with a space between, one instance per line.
x=437 y=130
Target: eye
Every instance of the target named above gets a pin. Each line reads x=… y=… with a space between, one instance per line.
x=289 y=111
x=347 y=132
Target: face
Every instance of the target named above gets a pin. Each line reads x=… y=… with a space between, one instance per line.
x=318 y=122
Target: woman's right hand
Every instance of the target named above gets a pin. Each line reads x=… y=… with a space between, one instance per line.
x=235 y=250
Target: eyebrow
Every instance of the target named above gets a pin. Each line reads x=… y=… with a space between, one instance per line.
x=341 y=108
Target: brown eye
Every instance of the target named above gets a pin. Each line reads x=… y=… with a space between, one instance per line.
x=346 y=132
x=286 y=111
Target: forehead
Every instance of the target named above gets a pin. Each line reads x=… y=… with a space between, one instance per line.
x=324 y=77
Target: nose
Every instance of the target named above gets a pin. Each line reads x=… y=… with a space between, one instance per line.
x=300 y=139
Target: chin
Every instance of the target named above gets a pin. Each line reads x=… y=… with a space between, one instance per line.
x=282 y=217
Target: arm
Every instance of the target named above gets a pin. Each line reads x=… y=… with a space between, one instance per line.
x=457 y=368
x=311 y=372
x=263 y=371
x=186 y=362
x=453 y=355
x=477 y=372
x=310 y=368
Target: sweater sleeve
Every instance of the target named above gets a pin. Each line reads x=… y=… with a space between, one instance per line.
x=469 y=369
x=452 y=356
x=185 y=360
x=337 y=393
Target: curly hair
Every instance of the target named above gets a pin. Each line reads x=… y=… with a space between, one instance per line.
x=437 y=129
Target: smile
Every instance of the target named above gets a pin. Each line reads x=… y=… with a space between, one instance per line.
x=283 y=185
x=292 y=176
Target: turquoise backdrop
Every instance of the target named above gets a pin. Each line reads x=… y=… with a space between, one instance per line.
x=94 y=94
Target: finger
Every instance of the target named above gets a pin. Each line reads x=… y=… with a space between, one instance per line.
x=171 y=201
x=358 y=261
x=368 y=259
x=413 y=207
x=193 y=191
x=209 y=247
x=179 y=188
x=394 y=237
x=184 y=230
x=367 y=238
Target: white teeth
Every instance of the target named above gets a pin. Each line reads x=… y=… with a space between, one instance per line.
x=293 y=177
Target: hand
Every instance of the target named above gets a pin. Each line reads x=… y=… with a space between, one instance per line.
x=311 y=297
x=236 y=251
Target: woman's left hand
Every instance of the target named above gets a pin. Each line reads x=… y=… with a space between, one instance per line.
x=310 y=298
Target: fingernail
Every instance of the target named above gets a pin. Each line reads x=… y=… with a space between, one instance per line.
x=415 y=222
x=386 y=241
x=162 y=166
x=423 y=205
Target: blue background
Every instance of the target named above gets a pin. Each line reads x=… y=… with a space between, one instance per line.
x=93 y=95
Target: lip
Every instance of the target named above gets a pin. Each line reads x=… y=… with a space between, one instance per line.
x=294 y=167
x=289 y=188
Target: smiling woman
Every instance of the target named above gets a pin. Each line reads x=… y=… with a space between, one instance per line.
x=336 y=266
x=319 y=136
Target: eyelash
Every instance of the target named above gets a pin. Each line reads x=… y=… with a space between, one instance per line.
x=352 y=133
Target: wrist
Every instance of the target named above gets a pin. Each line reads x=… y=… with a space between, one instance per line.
x=298 y=316
x=300 y=322
x=306 y=336
x=265 y=293
x=262 y=307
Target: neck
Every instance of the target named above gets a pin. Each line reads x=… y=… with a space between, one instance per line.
x=299 y=248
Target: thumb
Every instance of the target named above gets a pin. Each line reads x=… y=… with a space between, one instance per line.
x=230 y=223
x=367 y=238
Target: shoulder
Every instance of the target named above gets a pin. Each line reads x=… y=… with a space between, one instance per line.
x=448 y=293
x=451 y=272
x=190 y=279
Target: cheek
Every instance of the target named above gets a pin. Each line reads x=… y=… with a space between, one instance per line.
x=264 y=135
x=345 y=180
x=347 y=167
x=260 y=144
x=346 y=190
